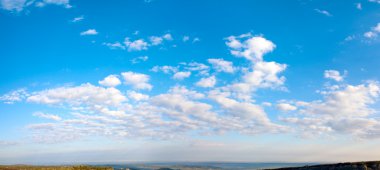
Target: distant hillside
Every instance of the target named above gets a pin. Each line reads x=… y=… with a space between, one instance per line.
x=370 y=165
x=28 y=167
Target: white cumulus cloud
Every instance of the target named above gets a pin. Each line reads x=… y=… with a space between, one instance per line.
x=137 y=80
x=78 y=95
x=207 y=82
x=201 y=68
x=345 y=110
x=110 y=81
x=136 y=45
x=14 y=96
x=181 y=75
x=157 y=40
x=221 y=65
x=334 y=75
x=285 y=107
x=137 y=96
x=373 y=32
x=250 y=47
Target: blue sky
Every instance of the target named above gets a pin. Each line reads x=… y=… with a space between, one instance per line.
x=164 y=80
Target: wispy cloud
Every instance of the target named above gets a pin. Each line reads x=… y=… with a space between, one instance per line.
x=89 y=32
x=47 y=116
x=139 y=59
x=78 y=19
x=324 y=12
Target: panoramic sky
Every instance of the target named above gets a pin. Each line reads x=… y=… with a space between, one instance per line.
x=199 y=80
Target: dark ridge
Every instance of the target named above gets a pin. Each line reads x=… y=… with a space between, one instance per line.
x=370 y=165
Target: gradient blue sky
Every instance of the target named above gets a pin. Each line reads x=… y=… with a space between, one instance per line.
x=163 y=80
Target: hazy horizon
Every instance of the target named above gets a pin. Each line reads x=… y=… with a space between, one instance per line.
x=189 y=81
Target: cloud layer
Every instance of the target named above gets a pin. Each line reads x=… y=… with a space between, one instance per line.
x=126 y=105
